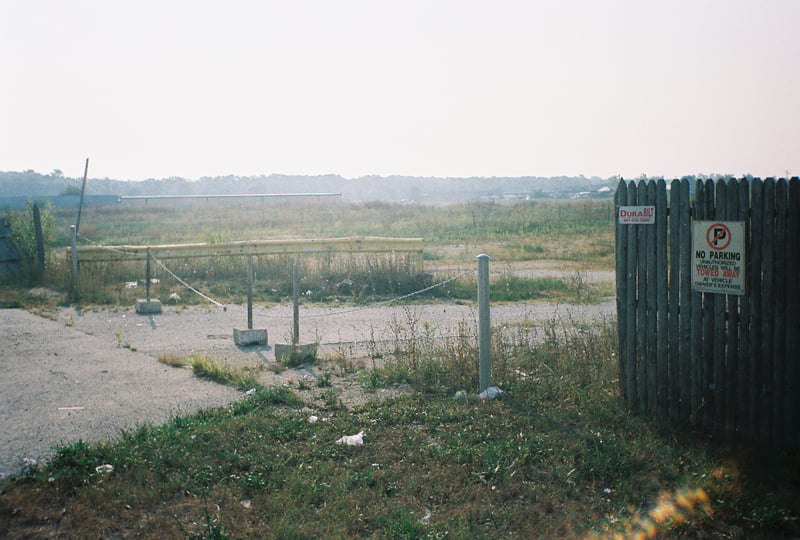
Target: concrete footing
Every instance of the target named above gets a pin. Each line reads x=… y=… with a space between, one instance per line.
x=249 y=337
x=148 y=307
x=302 y=353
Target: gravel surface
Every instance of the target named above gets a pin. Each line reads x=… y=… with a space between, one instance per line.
x=59 y=385
x=87 y=374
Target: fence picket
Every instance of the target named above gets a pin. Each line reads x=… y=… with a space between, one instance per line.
x=630 y=303
x=642 y=354
x=756 y=307
x=779 y=304
x=649 y=309
x=673 y=303
x=621 y=199
x=717 y=385
x=661 y=312
x=792 y=404
x=768 y=308
x=686 y=305
x=732 y=350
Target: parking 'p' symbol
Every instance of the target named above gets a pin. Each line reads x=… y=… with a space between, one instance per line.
x=718 y=236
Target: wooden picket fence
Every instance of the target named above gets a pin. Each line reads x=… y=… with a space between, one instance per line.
x=726 y=364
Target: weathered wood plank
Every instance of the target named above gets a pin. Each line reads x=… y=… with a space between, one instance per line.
x=360 y=244
x=651 y=303
x=630 y=308
x=662 y=298
x=709 y=302
x=621 y=199
x=754 y=278
x=673 y=302
x=743 y=349
x=642 y=354
x=767 y=308
x=698 y=213
x=779 y=306
x=718 y=346
x=732 y=341
x=792 y=396
x=687 y=329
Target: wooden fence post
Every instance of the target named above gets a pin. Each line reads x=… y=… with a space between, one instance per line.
x=37 y=229
x=73 y=234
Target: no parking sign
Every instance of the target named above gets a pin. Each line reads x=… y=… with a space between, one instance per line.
x=719 y=258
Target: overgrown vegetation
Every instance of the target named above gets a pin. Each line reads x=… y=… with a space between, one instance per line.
x=555 y=457
x=24 y=237
x=454 y=235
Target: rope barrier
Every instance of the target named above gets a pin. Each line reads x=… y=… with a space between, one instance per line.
x=377 y=304
x=179 y=280
x=167 y=270
x=109 y=248
x=307 y=316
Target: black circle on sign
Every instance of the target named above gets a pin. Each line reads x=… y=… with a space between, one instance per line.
x=713 y=235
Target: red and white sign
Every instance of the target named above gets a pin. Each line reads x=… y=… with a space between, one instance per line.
x=719 y=262
x=637 y=215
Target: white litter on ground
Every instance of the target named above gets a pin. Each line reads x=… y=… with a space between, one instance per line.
x=490 y=393
x=352 y=440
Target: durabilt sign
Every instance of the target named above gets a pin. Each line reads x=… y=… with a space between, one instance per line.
x=643 y=215
x=719 y=258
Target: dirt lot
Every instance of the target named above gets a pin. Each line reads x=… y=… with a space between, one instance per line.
x=87 y=374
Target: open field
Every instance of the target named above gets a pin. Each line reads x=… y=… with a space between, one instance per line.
x=555 y=457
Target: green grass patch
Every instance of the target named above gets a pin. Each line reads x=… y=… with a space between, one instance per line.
x=556 y=457
x=212 y=369
x=173 y=360
x=572 y=288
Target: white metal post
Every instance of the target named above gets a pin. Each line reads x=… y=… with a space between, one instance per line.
x=296 y=302
x=484 y=326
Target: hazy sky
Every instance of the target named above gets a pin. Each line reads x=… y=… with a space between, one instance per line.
x=152 y=89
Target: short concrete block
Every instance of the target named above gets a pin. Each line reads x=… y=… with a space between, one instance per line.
x=301 y=353
x=249 y=337
x=148 y=307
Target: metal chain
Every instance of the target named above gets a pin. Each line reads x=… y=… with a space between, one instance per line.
x=377 y=304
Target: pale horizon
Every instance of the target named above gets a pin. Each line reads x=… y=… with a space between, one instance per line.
x=428 y=89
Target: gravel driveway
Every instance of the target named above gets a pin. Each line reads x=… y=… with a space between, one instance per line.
x=89 y=374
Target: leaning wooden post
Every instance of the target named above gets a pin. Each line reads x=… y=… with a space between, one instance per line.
x=83 y=191
x=296 y=300
x=37 y=228
x=73 y=233
x=484 y=327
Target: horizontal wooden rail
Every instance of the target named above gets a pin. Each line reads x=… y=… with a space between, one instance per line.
x=357 y=244
x=146 y=198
